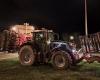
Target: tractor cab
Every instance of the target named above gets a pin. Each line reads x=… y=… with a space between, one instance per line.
x=44 y=35
x=43 y=38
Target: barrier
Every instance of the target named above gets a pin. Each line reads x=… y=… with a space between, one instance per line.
x=91 y=43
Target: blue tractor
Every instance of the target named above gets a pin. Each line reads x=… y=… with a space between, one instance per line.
x=44 y=48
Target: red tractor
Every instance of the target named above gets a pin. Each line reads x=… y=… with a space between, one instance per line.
x=10 y=40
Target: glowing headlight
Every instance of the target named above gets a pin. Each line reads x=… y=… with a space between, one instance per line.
x=73 y=51
x=71 y=37
x=13 y=28
x=33 y=28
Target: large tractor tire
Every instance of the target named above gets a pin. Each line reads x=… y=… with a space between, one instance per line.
x=61 y=60
x=27 y=55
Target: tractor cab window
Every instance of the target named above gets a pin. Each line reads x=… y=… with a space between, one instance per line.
x=50 y=37
x=53 y=36
x=39 y=36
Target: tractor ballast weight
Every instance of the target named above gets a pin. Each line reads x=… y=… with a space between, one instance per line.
x=43 y=48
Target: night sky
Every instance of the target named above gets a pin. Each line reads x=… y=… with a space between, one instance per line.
x=61 y=15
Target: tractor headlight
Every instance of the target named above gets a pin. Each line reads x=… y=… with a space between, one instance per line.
x=74 y=51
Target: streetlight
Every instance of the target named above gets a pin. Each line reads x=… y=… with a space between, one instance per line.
x=32 y=28
x=71 y=37
x=86 y=28
x=13 y=28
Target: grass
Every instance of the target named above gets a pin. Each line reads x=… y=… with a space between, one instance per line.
x=11 y=69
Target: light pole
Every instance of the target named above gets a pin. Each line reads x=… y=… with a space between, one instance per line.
x=86 y=28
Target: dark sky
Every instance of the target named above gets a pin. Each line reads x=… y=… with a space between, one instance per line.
x=62 y=15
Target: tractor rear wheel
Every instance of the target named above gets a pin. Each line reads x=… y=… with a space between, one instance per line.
x=61 y=60
x=27 y=55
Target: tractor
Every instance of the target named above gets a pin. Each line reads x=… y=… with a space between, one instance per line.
x=45 y=47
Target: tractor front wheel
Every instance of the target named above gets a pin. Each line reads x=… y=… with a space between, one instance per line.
x=61 y=60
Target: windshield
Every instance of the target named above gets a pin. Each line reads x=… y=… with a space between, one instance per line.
x=53 y=36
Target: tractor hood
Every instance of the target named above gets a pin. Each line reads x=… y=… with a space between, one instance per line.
x=58 y=44
x=62 y=45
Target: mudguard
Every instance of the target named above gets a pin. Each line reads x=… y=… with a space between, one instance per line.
x=64 y=47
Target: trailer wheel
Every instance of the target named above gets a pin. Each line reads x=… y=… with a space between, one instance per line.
x=27 y=55
x=61 y=60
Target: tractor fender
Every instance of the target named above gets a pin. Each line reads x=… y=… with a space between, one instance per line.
x=34 y=46
x=65 y=53
x=25 y=44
